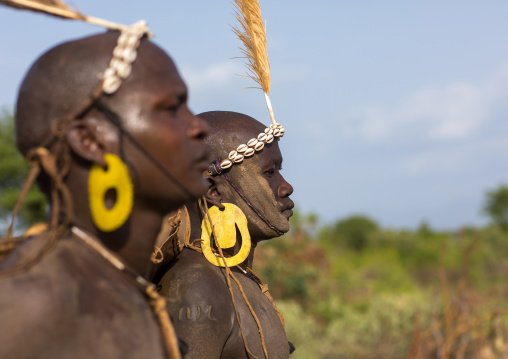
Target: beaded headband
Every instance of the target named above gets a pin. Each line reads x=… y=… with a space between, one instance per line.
x=255 y=144
x=124 y=55
x=253 y=37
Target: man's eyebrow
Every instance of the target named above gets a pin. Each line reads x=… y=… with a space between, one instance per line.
x=172 y=99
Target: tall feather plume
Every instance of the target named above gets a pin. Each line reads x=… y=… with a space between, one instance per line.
x=59 y=9
x=252 y=34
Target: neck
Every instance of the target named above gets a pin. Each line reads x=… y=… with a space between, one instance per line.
x=250 y=259
x=133 y=242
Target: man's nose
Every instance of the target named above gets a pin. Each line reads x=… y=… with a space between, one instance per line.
x=198 y=128
x=285 y=189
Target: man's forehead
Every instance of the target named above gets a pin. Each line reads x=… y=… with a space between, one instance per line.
x=237 y=132
x=269 y=156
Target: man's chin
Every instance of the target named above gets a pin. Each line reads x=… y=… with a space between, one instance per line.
x=283 y=226
x=198 y=189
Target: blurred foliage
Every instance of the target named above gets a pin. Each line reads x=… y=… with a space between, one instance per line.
x=12 y=175
x=496 y=206
x=353 y=232
x=353 y=289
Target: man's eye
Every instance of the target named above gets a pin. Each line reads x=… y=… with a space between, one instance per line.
x=171 y=108
x=270 y=172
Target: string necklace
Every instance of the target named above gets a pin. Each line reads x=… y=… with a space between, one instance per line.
x=156 y=301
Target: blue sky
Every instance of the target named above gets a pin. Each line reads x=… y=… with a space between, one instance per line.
x=394 y=109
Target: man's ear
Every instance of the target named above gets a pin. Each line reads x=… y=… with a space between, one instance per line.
x=213 y=195
x=85 y=141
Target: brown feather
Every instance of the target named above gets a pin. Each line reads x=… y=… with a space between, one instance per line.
x=50 y=7
x=252 y=34
x=59 y=9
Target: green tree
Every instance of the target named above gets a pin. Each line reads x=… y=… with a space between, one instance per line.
x=13 y=171
x=496 y=206
x=355 y=231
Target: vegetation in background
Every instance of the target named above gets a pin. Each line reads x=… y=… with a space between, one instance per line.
x=496 y=206
x=12 y=175
x=354 y=289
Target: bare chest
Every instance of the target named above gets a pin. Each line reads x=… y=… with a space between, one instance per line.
x=76 y=309
x=110 y=326
x=261 y=325
x=113 y=319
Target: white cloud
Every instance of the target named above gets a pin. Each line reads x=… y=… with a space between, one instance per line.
x=223 y=75
x=455 y=111
x=214 y=77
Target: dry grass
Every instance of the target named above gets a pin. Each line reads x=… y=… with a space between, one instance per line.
x=466 y=325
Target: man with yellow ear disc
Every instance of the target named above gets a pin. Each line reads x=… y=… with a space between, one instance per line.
x=219 y=304
x=112 y=163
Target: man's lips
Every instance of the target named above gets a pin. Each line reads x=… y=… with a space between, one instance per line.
x=287 y=213
x=287 y=210
x=202 y=162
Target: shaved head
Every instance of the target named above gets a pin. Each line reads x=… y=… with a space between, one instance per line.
x=61 y=80
x=257 y=176
x=57 y=83
x=228 y=130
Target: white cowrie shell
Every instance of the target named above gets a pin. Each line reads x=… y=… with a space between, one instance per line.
x=109 y=72
x=242 y=148
x=273 y=126
x=232 y=155
x=114 y=63
x=111 y=84
x=133 y=41
x=276 y=132
x=129 y=55
x=123 y=39
x=268 y=131
x=269 y=138
x=117 y=52
x=249 y=152
x=259 y=146
x=124 y=69
x=238 y=158
x=252 y=142
x=282 y=132
x=262 y=137
x=226 y=164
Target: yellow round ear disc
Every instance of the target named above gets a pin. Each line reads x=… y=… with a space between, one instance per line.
x=115 y=177
x=224 y=227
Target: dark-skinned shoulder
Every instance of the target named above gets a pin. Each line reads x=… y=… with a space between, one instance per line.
x=35 y=295
x=199 y=303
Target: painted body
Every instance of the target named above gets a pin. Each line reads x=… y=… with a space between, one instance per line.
x=204 y=317
x=199 y=299
x=74 y=304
